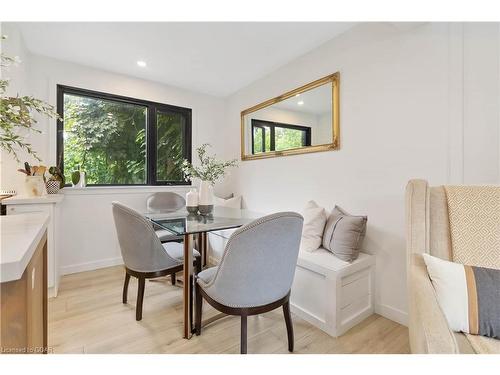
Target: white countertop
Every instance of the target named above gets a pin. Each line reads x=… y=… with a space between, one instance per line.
x=20 y=235
x=24 y=199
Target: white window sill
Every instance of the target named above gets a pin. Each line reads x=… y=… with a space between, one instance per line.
x=101 y=190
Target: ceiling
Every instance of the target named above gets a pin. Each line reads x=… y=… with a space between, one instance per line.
x=217 y=58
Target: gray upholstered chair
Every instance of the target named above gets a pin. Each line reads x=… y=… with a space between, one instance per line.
x=165 y=201
x=145 y=257
x=255 y=273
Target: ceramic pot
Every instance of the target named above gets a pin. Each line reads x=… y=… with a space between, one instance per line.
x=206 y=198
x=35 y=186
x=53 y=186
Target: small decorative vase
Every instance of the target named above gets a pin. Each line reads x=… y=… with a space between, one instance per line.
x=206 y=198
x=53 y=186
x=78 y=179
x=192 y=201
x=35 y=187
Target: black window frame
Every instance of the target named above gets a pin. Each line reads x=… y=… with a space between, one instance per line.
x=151 y=147
x=256 y=123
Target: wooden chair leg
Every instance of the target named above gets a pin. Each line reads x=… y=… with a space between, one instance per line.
x=140 y=298
x=125 y=287
x=243 y=344
x=198 y=265
x=289 y=325
x=199 y=309
x=172 y=278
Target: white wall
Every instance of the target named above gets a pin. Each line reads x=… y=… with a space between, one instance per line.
x=403 y=108
x=18 y=83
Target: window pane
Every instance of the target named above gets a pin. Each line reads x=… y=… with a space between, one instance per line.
x=107 y=139
x=258 y=140
x=170 y=128
x=286 y=138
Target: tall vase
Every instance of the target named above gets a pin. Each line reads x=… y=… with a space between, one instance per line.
x=35 y=187
x=206 y=198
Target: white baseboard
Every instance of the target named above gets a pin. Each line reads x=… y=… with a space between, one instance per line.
x=89 y=266
x=389 y=312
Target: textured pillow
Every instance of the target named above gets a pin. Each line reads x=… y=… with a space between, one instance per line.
x=344 y=234
x=469 y=296
x=233 y=202
x=314 y=225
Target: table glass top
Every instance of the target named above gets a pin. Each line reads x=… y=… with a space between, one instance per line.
x=181 y=222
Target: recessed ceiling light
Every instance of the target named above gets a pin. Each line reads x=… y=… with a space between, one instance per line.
x=141 y=63
x=301 y=102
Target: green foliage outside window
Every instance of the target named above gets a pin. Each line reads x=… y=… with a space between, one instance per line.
x=106 y=139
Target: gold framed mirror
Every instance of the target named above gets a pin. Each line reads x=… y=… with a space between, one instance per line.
x=300 y=121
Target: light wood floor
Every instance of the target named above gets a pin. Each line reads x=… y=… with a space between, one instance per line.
x=88 y=317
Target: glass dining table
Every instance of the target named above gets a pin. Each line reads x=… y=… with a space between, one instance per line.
x=195 y=227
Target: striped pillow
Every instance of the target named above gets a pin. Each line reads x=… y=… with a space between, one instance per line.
x=469 y=296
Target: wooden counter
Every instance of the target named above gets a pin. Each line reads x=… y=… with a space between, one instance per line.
x=23 y=287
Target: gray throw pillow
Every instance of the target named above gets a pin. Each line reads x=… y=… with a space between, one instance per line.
x=344 y=234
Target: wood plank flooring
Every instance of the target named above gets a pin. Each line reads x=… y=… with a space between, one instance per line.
x=88 y=317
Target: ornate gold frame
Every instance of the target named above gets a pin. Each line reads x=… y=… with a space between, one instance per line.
x=335 y=145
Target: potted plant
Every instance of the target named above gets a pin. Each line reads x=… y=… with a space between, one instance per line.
x=209 y=171
x=56 y=180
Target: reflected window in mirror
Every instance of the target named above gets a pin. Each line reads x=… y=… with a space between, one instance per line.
x=274 y=136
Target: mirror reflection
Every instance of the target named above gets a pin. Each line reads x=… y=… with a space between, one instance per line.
x=296 y=121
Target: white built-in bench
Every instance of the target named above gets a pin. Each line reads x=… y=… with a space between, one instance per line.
x=331 y=294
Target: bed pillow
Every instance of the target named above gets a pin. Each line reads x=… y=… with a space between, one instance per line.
x=469 y=296
x=344 y=234
x=233 y=202
x=314 y=225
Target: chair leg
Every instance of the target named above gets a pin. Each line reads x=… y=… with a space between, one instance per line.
x=289 y=325
x=243 y=344
x=172 y=278
x=125 y=287
x=199 y=309
x=140 y=298
x=197 y=265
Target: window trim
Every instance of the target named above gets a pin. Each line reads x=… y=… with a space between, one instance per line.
x=151 y=148
x=256 y=123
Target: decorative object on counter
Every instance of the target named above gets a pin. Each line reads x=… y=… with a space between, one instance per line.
x=208 y=172
x=17 y=114
x=35 y=186
x=78 y=178
x=57 y=175
x=35 y=179
x=56 y=180
x=53 y=186
x=192 y=201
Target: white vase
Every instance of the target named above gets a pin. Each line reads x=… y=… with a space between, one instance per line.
x=192 y=201
x=35 y=186
x=206 y=198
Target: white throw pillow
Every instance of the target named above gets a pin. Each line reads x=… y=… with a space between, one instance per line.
x=234 y=202
x=449 y=282
x=314 y=225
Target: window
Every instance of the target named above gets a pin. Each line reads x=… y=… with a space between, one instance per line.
x=121 y=141
x=274 y=136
